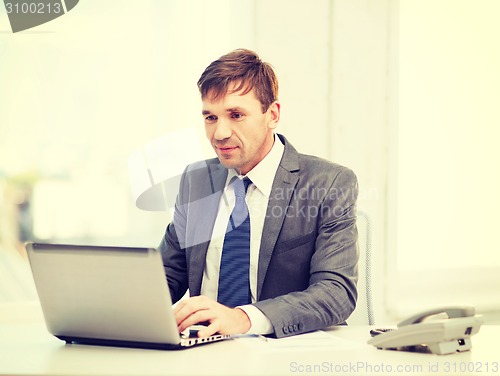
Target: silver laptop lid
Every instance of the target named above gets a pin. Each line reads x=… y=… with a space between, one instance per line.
x=114 y=293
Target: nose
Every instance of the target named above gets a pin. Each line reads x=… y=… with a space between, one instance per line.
x=222 y=130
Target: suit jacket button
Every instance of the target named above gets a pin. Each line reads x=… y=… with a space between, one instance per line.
x=285 y=330
x=295 y=327
x=290 y=328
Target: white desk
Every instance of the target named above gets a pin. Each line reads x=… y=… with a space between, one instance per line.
x=26 y=348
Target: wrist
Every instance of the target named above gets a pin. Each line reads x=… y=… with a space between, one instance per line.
x=244 y=321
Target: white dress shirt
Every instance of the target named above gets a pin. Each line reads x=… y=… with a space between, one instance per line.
x=262 y=177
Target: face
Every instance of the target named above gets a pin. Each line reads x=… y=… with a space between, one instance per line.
x=239 y=132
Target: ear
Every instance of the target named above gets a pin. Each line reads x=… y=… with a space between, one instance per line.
x=274 y=114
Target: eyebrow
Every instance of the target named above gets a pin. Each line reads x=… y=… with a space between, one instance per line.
x=233 y=109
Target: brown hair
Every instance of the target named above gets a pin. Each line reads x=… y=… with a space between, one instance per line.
x=244 y=68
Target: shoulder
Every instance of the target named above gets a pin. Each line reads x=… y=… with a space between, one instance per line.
x=322 y=178
x=203 y=178
x=313 y=168
x=317 y=164
x=203 y=164
x=201 y=169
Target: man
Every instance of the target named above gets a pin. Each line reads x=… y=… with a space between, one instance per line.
x=277 y=255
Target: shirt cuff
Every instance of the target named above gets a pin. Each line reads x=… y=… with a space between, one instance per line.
x=259 y=323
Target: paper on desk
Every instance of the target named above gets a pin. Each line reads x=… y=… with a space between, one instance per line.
x=302 y=342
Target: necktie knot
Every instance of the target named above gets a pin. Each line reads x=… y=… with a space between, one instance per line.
x=240 y=187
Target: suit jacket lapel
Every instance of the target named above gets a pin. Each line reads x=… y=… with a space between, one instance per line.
x=281 y=193
x=201 y=228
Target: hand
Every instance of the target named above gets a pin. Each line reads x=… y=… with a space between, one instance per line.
x=222 y=319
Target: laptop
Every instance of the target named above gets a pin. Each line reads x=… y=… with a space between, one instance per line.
x=110 y=296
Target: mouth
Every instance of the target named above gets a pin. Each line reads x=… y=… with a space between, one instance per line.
x=226 y=149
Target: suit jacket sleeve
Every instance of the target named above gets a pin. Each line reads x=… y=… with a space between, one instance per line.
x=322 y=292
x=173 y=251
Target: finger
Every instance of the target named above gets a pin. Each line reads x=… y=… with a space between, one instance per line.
x=179 y=305
x=189 y=301
x=209 y=330
x=195 y=318
x=190 y=306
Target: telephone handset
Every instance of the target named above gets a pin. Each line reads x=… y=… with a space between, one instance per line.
x=450 y=312
x=440 y=331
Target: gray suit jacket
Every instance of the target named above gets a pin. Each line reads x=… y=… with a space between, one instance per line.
x=307 y=269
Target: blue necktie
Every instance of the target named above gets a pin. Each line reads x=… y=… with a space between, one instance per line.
x=234 y=283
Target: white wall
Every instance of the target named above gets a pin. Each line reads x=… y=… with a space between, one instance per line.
x=295 y=37
x=361 y=110
x=445 y=244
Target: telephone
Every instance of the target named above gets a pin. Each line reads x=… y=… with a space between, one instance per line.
x=438 y=331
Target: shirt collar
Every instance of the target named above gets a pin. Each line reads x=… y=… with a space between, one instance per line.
x=262 y=175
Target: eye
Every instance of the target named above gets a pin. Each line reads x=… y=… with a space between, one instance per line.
x=210 y=119
x=237 y=115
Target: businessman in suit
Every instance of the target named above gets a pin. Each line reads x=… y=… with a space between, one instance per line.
x=263 y=237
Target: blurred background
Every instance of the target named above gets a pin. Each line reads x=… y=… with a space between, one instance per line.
x=406 y=93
